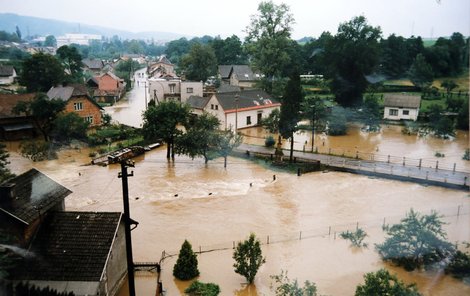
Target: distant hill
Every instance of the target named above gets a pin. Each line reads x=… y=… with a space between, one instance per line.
x=30 y=26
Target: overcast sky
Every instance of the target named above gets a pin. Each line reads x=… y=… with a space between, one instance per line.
x=426 y=18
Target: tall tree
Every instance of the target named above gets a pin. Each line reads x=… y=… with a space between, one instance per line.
x=71 y=61
x=268 y=39
x=290 y=111
x=161 y=123
x=229 y=51
x=18 y=32
x=44 y=112
x=199 y=63
x=50 y=41
x=186 y=265
x=383 y=283
x=40 y=72
x=420 y=73
x=5 y=172
x=394 y=58
x=248 y=258
x=352 y=54
x=227 y=141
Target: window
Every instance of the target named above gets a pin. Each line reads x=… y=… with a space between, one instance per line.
x=78 y=106
x=248 y=120
x=189 y=90
x=89 y=119
x=172 y=88
x=393 y=112
x=216 y=107
x=406 y=112
x=212 y=106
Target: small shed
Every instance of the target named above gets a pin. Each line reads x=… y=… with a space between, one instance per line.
x=401 y=106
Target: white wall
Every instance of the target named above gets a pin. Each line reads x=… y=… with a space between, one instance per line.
x=196 y=87
x=241 y=117
x=161 y=87
x=413 y=113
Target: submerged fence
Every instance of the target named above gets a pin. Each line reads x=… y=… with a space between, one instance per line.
x=331 y=232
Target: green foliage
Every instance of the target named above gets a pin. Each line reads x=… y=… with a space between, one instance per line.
x=5 y=172
x=337 y=121
x=466 y=155
x=271 y=123
x=69 y=126
x=50 y=41
x=315 y=110
x=12 y=37
x=227 y=140
x=198 y=288
x=161 y=121
x=22 y=289
x=40 y=72
x=106 y=119
x=269 y=141
x=351 y=55
x=418 y=240
x=229 y=51
x=248 y=258
x=454 y=103
x=441 y=125
x=72 y=62
x=186 y=265
x=371 y=113
x=459 y=265
x=439 y=154
x=420 y=73
x=283 y=286
x=201 y=138
x=38 y=150
x=462 y=117
x=382 y=283
x=199 y=63
x=356 y=237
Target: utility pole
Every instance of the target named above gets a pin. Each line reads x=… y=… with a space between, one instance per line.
x=127 y=222
x=145 y=88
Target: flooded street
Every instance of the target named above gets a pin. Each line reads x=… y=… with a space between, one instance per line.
x=213 y=207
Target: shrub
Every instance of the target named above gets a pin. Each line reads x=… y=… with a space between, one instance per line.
x=248 y=258
x=269 y=141
x=356 y=237
x=383 y=283
x=186 y=265
x=38 y=151
x=207 y=289
x=459 y=266
x=283 y=286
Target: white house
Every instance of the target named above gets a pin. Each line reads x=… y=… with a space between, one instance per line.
x=401 y=106
x=236 y=110
x=166 y=89
x=80 y=39
x=7 y=74
x=238 y=75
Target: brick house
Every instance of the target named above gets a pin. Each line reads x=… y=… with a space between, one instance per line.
x=108 y=88
x=78 y=101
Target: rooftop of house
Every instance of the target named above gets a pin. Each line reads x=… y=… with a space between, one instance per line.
x=66 y=92
x=70 y=246
x=245 y=73
x=224 y=88
x=224 y=71
x=29 y=195
x=6 y=71
x=9 y=101
x=93 y=63
x=402 y=100
x=197 y=102
x=248 y=99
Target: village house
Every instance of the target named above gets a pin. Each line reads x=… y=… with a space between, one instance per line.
x=161 y=69
x=15 y=126
x=236 y=110
x=79 y=252
x=401 y=106
x=238 y=75
x=7 y=75
x=79 y=102
x=107 y=88
x=93 y=66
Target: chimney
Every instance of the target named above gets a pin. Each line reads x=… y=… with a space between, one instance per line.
x=7 y=193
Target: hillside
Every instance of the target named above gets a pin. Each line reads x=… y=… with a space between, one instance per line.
x=30 y=26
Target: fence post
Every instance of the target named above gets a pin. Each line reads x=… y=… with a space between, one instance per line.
x=329 y=230
x=388 y=159
x=403 y=161
x=199 y=249
x=420 y=160
x=458 y=210
x=357 y=226
x=268 y=240
x=299 y=173
x=300 y=236
x=304 y=149
x=357 y=154
x=465 y=181
x=383 y=225
x=233 y=245
x=437 y=165
x=427 y=174
x=453 y=171
x=375 y=167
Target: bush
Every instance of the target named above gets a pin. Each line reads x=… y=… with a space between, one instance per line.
x=202 y=289
x=285 y=287
x=356 y=237
x=383 y=283
x=38 y=151
x=269 y=141
x=248 y=258
x=466 y=155
x=459 y=266
x=186 y=265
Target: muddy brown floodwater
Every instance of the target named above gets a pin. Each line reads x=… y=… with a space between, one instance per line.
x=213 y=207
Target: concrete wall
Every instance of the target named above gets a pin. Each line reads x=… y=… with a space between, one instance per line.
x=213 y=107
x=413 y=113
x=186 y=86
x=116 y=269
x=89 y=109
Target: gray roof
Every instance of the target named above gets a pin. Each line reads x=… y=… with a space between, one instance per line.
x=163 y=59
x=197 y=102
x=93 y=63
x=224 y=71
x=66 y=92
x=245 y=73
x=34 y=194
x=402 y=100
x=71 y=246
x=6 y=71
x=224 y=88
x=248 y=99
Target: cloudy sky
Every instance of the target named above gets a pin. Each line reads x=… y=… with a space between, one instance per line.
x=426 y=18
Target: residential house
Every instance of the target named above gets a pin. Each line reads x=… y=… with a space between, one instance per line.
x=134 y=57
x=15 y=126
x=79 y=252
x=166 y=89
x=239 y=75
x=7 y=74
x=94 y=66
x=108 y=88
x=80 y=39
x=163 y=68
x=401 y=106
x=78 y=101
x=236 y=110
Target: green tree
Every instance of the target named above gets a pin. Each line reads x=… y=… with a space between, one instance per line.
x=40 y=72
x=441 y=125
x=268 y=39
x=186 y=265
x=227 y=141
x=5 y=172
x=201 y=138
x=50 y=41
x=420 y=73
x=395 y=60
x=229 y=51
x=352 y=55
x=248 y=258
x=314 y=110
x=337 y=121
x=44 y=112
x=177 y=49
x=161 y=123
x=356 y=238
x=382 y=283
x=198 y=288
x=449 y=85
x=18 y=32
x=371 y=112
x=199 y=63
x=290 y=111
x=462 y=117
x=68 y=126
x=71 y=61
x=283 y=286
x=459 y=265
x=418 y=240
